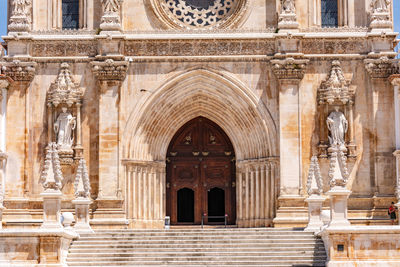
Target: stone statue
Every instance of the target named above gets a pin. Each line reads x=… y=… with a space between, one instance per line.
x=288 y=6
x=20 y=7
x=63 y=128
x=111 y=6
x=337 y=125
x=380 y=5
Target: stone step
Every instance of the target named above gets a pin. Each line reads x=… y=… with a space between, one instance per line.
x=195 y=253
x=275 y=263
x=90 y=249
x=197 y=237
x=198 y=229
x=199 y=232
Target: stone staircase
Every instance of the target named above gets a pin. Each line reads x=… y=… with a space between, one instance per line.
x=198 y=247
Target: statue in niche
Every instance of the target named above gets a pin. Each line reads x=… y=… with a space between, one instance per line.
x=337 y=125
x=63 y=128
x=380 y=5
x=20 y=7
x=111 y=6
x=288 y=6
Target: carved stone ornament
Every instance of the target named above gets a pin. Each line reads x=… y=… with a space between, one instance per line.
x=19 y=71
x=380 y=68
x=380 y=18
x=82 y=182
x=337 y=125
x=111 y=21
x=338 y=172
x=64 y=90
x=335 y=88
x=314 y=180
x=289 y=68
x=287 y=17
x=20 y=16
x=63 y=128
x=51 y=177
x=110 y=70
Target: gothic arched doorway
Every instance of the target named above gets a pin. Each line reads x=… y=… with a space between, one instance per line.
x=201 y=159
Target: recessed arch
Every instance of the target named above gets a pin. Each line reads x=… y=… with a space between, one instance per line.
x=213 y=94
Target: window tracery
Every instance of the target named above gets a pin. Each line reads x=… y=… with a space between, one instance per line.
x=70 y=14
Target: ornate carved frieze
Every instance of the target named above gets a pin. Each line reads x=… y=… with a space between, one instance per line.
x=380 y=18
x=336 y=87
x=82 y=182
x=380 y=68
x=20 y=20
x=111 y=21
x=199 y=47
x=289 y=68
x=314 y=179
x=287 y=16
x=64 y=48
x=51 y=177
x=110 y=70
x=341 y=46
x=64 y=90
x=19 y=71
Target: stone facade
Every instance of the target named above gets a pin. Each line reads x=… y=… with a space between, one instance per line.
x=266 y=72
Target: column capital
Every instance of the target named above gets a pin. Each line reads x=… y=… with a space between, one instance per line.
x=110 y=70
x=379 y=68
x=395 y=79
x=20 y=71
x=289 y=70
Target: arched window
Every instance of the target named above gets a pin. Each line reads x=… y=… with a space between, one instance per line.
x=70 y=14
x=329 y=13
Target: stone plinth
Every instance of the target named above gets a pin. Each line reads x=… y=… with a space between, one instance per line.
x=31 y=247
x=362 y=246
x=338 y=199
x=51 y=209
x=314 y=213
x=82 y=215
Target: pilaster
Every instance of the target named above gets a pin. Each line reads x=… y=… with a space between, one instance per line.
x=110 y=75
x=395 y=81
x=289 y=72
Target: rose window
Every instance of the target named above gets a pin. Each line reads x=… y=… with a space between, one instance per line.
x=199 y=13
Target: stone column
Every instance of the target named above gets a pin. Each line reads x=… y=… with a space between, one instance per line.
x=255 y=192
x=110 y=75
x=145 y=193
x=289 y=72
x=4 y=83
x=395 y=80
x=379 y=69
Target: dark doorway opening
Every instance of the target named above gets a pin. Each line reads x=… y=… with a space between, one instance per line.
x=216 y=204
x=185 y=205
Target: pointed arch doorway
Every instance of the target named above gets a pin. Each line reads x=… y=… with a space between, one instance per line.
x=200 y=174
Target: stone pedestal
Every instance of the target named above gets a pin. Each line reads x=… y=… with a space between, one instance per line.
x=314 y=213
x=51 y=209
x=338 y=198
x=82 y=215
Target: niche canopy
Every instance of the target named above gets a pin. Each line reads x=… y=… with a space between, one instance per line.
x=199 y=14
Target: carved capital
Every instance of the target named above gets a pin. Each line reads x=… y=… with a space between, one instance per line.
x=379 y=68
x=110 y=70
x=5 y=82
x=289 y=69
x=395 y=79
x=20 y=71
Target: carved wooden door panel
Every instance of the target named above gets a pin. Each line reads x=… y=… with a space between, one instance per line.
x=200 y=160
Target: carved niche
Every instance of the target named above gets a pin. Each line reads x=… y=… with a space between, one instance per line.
x=336 y=104
x=380 y=18
x=287 y=16
x=64 y=100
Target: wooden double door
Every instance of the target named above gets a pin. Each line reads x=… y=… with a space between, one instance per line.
x=200 y=174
